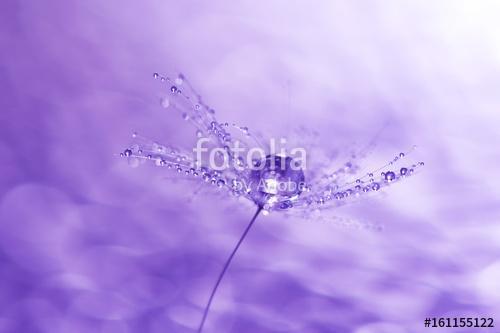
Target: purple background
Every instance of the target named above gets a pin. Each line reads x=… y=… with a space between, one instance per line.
x=88 y=244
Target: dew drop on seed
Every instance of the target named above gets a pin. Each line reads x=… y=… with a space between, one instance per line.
x=390 y=176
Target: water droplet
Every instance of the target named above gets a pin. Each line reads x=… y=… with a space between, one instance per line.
x=401 y=154
x=370 y=174
x=358 y=181
x=221 y=182
x=127 y=152
x=421 y=163
x=403 y=171
x=156 y=75
x=197 y=107
x=285 y=204
x=173 y=89
x=390 y=176
x=376 y=187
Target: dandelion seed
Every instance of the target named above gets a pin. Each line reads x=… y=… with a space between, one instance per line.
x=274 y=181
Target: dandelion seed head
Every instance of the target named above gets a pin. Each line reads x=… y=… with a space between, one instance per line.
x=274 y=181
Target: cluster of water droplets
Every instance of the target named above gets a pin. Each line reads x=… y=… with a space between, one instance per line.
x=331 y=189
x=180 y=97
x=347 y=183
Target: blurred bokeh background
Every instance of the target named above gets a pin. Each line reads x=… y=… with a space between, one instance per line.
x=88 y=244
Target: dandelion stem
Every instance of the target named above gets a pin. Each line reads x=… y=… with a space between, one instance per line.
x=226 y=266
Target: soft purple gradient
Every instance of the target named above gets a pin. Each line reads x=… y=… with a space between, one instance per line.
x=88 y=244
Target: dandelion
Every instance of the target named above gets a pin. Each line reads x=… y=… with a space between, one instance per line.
x=235 y=160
